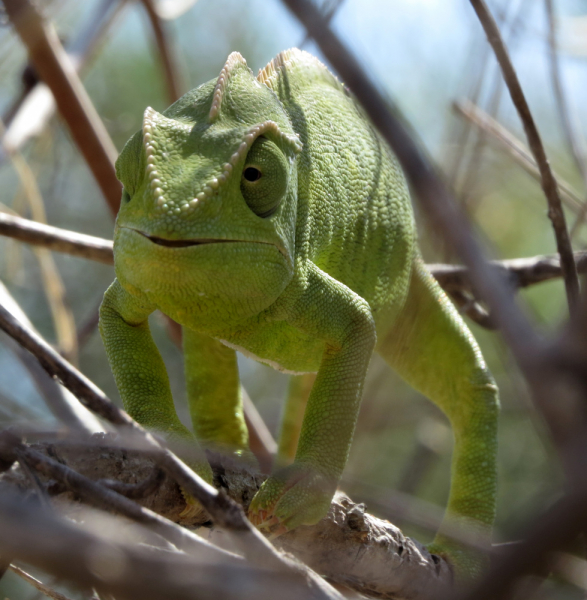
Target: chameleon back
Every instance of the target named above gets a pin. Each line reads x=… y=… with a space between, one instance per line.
x=354 y=217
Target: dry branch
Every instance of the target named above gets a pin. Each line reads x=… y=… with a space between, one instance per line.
x=129 y=570
x=64 y=406
x=567 y=120
x=516 y=149
x=107 y=499
x=55 y=68
x=31 y=112
x=38 y=585
x=349 y=546
x=168 y=61
x=54 y=238
x=548 y=182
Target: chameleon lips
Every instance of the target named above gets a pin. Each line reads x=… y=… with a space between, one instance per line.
x=183 y=243
x=199 y=242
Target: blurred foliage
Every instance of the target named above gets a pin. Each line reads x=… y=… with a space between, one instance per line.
x=425 y=55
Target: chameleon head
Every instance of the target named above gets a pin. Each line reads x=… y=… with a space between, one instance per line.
x=207 y=220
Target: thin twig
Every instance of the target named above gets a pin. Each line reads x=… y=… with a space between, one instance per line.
x=54 y=238
x=521 y=272
x=54 y=67
x=568 y=123
x=30 y=113
x=516 y=149
x=38 y=585
x=64 y=406
x=170 y=70
x=548 y=182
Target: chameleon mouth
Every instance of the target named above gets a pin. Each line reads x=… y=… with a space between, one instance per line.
x=201 y=242
x=183 y=243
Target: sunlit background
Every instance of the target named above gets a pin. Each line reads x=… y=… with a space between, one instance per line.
x=426 y=55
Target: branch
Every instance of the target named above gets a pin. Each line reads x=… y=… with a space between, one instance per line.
x=107 y=499
x=64 y=406
x=516 y=149
x=567 y=121
x=165 y=52
x=54 y=238
x=349 y=546
x=92 y=557
x=548 y=182
x=520 y=272
x=30 y=113
x=55 y=68
x=38 y=585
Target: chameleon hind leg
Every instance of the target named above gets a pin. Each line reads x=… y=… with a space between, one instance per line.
x=214 y=394
x=431 y=347
x=298 y=392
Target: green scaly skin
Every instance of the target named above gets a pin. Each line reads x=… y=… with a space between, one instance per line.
x=266 y=215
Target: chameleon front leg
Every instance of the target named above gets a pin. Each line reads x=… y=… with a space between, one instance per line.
x=300 y=494
x=214 y=393
x=140 y=373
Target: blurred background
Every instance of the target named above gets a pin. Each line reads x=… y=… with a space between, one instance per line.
x=425 y=54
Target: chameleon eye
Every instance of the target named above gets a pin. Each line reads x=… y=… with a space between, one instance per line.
x=252 y=174
x=125 y=196
x=264 y=177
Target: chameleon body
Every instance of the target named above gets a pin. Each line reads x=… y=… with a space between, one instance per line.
x=266 y=215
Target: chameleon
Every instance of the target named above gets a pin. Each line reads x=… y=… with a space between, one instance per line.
x=266 y=215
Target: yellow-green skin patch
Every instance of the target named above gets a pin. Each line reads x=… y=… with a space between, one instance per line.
x=267 y=215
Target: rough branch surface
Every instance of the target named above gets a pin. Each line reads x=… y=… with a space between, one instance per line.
x=349 y=546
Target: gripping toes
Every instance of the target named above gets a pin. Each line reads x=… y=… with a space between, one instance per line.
x=295 y=495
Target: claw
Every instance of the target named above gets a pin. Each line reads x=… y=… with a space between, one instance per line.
x=264 y=521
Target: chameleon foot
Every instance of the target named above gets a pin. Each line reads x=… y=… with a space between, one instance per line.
x=295 y=495
x=193 y=509
x=467 y=564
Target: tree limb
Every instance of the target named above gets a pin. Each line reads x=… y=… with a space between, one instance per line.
x=54 y=238
x=349 y=546
x=54 y=67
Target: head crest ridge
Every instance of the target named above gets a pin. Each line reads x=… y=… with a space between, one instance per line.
x=234 y=59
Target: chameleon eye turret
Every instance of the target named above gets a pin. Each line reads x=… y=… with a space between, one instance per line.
x=264 y=177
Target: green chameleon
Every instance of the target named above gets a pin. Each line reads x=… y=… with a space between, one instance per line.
x=266 y=215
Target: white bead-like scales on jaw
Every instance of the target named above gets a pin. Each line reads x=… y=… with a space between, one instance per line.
x=234 y=58
x=152 y=121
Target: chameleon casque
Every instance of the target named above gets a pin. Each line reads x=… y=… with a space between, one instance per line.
x=266 y=215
